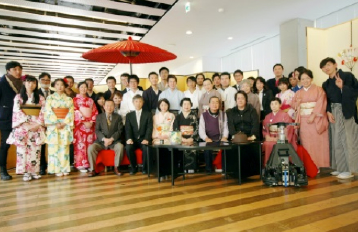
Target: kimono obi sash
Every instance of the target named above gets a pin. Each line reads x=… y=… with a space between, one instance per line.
x=273 y=130
x=86 y=111
x=60 y=112
x=32 y=110
x=307 y=108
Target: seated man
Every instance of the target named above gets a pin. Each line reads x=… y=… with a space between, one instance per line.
x=109 y=128
x=213 y=128
x=138 y=127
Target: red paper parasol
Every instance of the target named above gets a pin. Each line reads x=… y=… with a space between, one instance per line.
x=129 y=51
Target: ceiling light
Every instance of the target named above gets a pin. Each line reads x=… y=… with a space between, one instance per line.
x=230 y=38
x=191 y=57
x=220 y=10
x=189 y=32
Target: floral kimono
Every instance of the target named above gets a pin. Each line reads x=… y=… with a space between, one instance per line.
x=85 y=111
x=162 y=125
x=28 y=143
x=59 y=140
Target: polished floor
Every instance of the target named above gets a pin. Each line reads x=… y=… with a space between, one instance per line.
x=200 y=203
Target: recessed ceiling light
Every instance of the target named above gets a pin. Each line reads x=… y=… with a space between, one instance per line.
x=191 y=57
x=189 y=32
x=220 y=10
x=230 y=38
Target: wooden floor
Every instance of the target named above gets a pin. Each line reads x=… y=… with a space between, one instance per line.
x=200 y=203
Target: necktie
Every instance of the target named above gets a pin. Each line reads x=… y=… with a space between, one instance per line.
x=108 y=120
x=46 y=94
x=138 y=118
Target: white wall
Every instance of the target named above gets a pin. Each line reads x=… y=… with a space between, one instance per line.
x=261 y=56
x=2 y=70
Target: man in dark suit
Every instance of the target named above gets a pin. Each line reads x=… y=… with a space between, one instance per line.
x=125 y=83
x=111 y=83
x=151 y=95
x=109 y=128
x=273 y=83
x=139 y=127
x=45 y=91
x=238 y=75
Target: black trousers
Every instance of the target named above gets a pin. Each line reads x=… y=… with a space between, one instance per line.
x=4 y=147
x=43 y=162
x=130 y=148
x=72 y=154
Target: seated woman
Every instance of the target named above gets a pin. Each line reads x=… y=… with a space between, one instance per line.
x=286 y=95
x=311 y=102
x=187 y=123
x=84 y=131
x=162 y=127
x=243 y=120
x=270 y=132
x=99 y=101
x=28 y=129
x=59 y=118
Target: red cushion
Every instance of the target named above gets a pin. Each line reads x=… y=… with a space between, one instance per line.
x=106 y=158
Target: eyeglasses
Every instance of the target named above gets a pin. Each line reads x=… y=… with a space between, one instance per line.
x=44 y=80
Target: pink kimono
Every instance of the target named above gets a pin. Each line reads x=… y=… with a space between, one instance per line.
x=280 y=116
x=314 y=136
x=28 y=143
x=286 y=99
x=85 y=111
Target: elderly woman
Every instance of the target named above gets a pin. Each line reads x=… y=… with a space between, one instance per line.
x=243 y=120
x=187 y=123
x=252 y=98
x=84 y=131
x=59 y=118
x=28 y=129
x=310 y=103
x=205 y=97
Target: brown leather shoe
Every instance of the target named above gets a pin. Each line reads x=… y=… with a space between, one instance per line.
x=93 y=174
x=118 y=173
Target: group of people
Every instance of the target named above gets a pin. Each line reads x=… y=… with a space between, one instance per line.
x=77 y=126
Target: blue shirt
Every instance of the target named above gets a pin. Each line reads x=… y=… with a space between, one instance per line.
x=173 y=96
x=296 y=88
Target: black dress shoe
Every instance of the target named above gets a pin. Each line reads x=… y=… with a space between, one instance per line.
x=42 y=172
x=4 y=174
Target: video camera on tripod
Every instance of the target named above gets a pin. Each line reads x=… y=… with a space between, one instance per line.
x=284 y=167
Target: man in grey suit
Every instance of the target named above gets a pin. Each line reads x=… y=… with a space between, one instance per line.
x=109 y=128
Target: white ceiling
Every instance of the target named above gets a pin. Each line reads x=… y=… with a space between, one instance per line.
x=245 y=21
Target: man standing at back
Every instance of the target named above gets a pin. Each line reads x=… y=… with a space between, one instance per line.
x=151 y=95
x=127 y=103
x=273 y=83
x=125 y=83
x=238 y=76
x=164 y=73
x=111 y=83
x=90 y=92
x=199 y=83
x=173 y=95
x=70 y=82
x=227 y=92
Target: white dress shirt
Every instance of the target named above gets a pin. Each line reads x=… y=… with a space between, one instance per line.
x=194 y=97
x=228 y=97
x=127 y=103
x=261 y=94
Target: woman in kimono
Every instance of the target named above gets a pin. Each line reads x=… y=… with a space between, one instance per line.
x=286 y=95
x=310 y=103
x=84 y=131
x=187 y=123
x=28 y=129
x=162 y=127
x=162 y=123
x=205 y=97
x=59 y=118
x=270 y=133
